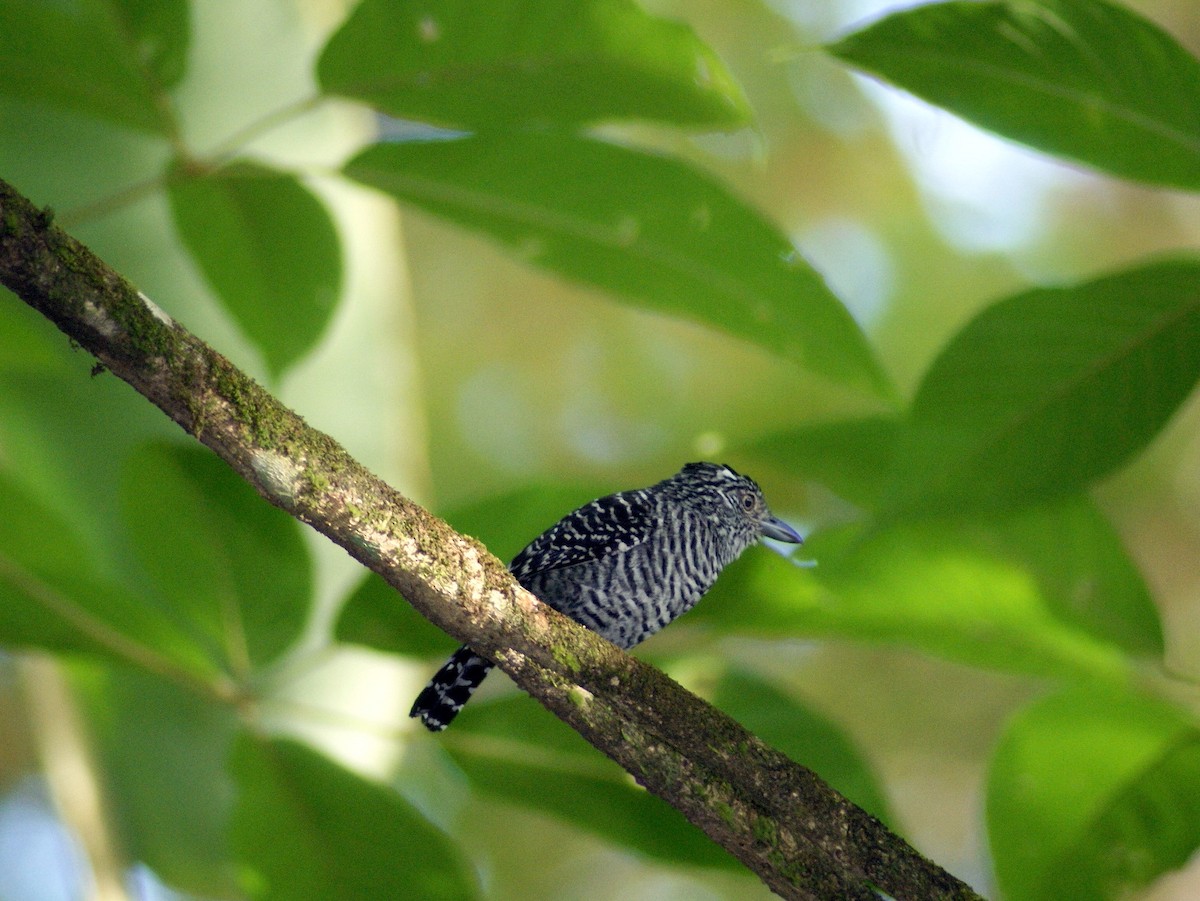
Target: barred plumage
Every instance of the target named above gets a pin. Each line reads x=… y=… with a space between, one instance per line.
x=625 y=565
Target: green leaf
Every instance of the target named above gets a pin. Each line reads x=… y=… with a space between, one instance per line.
x=305 y=829
x=850 y=457
x=27 y=342
x=960 y=589
x=1046 y=392
x=84 y=57
x=514 y=750
x=232 y=568
x=269 y=251
x=376 y=616
x=1085 y=574
x=545 y=62
x=158 y=33
x=164 y=751
x=1091 y=796
x=805 y=736
x=54 y=597
x=650 y=229
x=1084 y=79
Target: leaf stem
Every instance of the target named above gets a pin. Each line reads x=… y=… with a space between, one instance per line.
x=217 y=156
x=277 y=118
x=222 y=690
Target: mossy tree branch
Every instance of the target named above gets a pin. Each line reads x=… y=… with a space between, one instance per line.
x=802 y=838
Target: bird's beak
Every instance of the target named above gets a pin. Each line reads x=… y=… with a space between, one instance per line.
x=773 y=527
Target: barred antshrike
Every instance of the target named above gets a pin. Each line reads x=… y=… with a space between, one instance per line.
x=625 y=565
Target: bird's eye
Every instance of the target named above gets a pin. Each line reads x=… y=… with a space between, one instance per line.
x=748 y=502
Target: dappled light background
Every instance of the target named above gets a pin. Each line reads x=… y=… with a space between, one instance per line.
x=459 y=372
x=917 y=219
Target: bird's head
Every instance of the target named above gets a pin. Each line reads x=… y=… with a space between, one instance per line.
x=732 y=499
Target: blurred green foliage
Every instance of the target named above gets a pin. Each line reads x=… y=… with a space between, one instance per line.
x=608 y=274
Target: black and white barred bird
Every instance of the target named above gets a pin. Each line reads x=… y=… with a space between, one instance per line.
x=625 y=565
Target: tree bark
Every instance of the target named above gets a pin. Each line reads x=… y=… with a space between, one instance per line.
x=800 y=836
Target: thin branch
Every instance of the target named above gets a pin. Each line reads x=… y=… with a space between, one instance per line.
x=264 y=124
x=802 y=838
x=221 y=154
x=71 y=774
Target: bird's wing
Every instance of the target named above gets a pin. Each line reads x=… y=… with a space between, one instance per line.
x=608 y=525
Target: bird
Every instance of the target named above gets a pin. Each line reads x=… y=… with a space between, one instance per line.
x=625 y=565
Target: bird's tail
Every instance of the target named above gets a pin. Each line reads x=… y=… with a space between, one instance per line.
x=450 y=688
